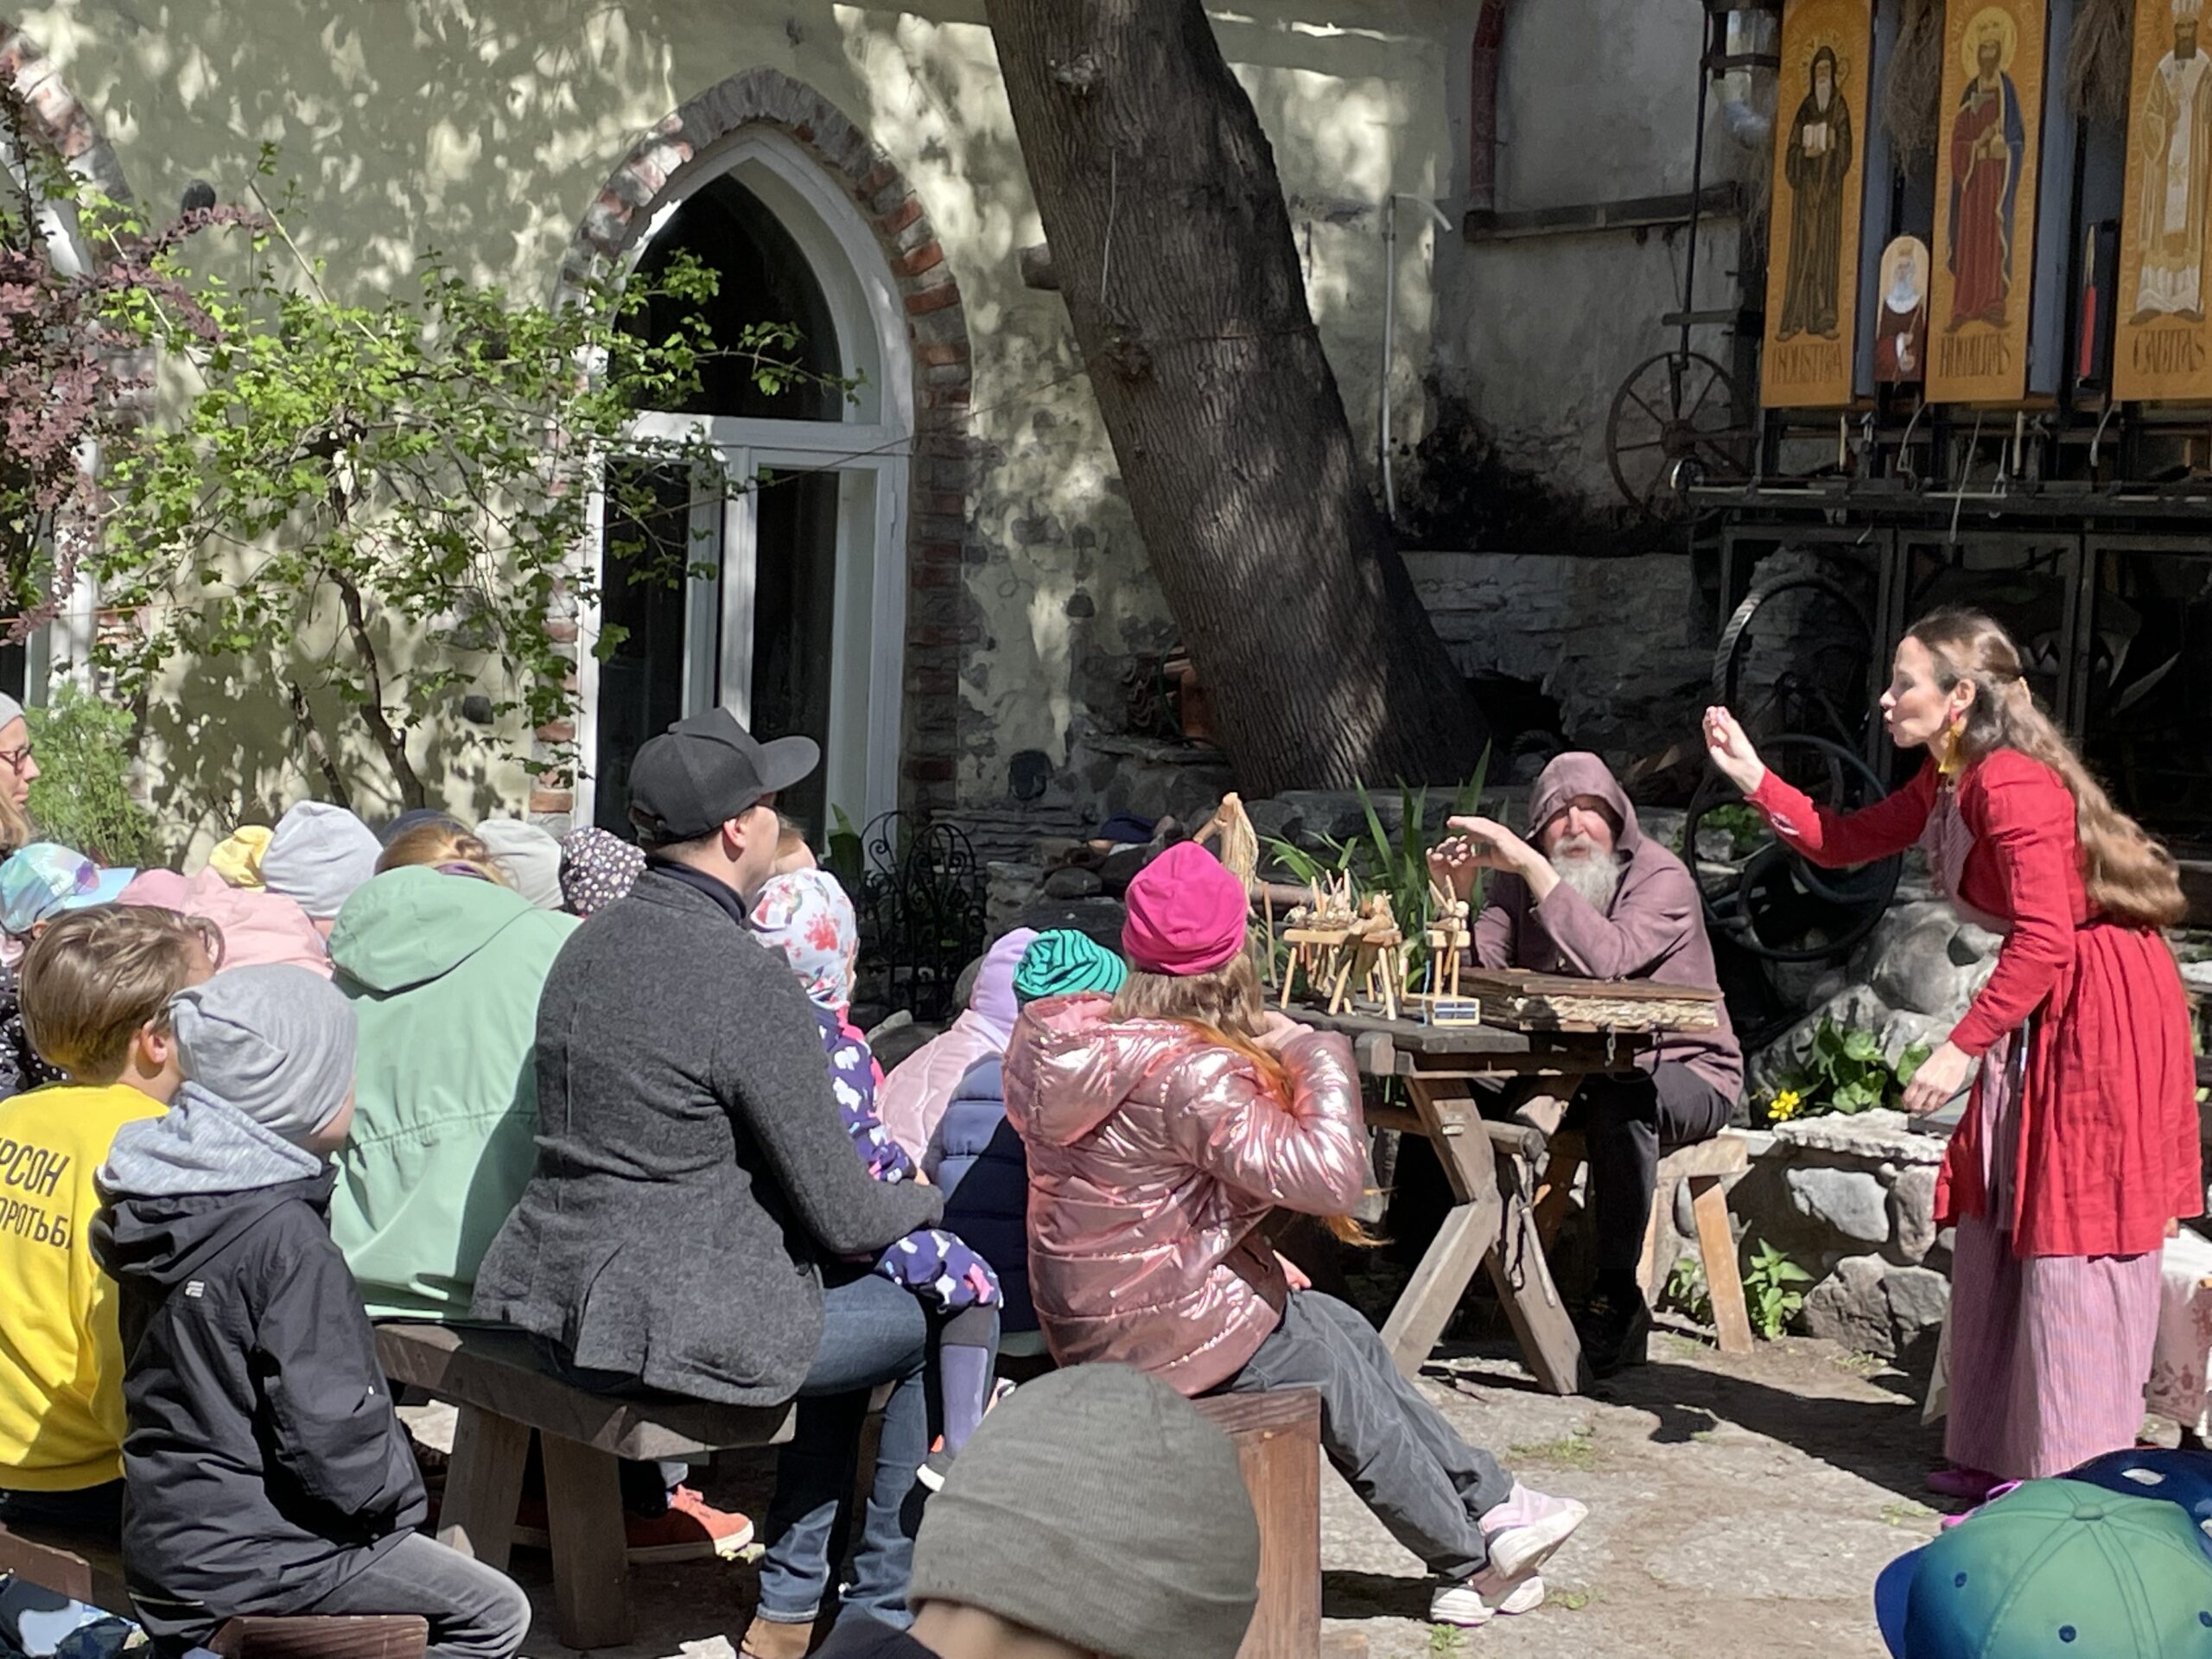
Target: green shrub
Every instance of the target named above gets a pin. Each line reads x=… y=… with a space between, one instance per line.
x=82 y=797
x=1773 y=1295
x=1844 y=1074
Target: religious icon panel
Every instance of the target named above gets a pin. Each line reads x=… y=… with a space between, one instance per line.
x=1986 y=157
x=1812 y=285
x=1901 y=331
x=2163 y=348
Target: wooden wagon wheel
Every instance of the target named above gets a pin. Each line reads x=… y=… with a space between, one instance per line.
x=1673 y=421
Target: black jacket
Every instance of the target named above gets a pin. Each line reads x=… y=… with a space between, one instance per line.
x=692 y=1168
x=264 y=1463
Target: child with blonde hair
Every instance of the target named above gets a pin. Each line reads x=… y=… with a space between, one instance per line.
x=96 y=987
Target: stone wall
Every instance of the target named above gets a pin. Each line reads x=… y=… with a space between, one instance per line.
x=1623 y=645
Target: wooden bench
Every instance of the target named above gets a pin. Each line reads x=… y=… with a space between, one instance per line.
x=1278 y=1436
x=493 y=1375
x=1702 y=1164
x=78 y=1577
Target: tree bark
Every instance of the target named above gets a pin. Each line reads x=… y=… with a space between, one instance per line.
x=1172 y=246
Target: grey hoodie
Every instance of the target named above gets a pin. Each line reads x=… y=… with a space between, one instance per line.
x=1653 y=929
x=201 y=1144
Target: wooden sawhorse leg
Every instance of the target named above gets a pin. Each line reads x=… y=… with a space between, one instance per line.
x=1490 y=1223
x=483 y=1485
x=591 y=1557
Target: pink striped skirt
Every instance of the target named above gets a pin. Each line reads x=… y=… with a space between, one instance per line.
x=2050 y=1354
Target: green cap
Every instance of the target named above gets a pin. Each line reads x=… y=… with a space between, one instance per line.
x=2056 y=1569
x=1064 y=961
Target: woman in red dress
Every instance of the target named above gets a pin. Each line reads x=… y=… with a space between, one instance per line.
x=2079 y=1148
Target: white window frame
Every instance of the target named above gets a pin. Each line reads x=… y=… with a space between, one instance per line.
x=870 y=447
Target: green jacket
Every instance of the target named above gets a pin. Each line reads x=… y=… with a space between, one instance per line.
x=444 y=974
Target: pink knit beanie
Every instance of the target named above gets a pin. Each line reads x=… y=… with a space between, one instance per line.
x=1187 y=914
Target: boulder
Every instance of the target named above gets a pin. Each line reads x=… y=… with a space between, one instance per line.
x=1847 y=1201
x=1912 y=1212
x=1121 y=867
x=1101 y=918
x=1877 y=1308
x=1011 y=888
x=1073 y=882
x=1276 y=820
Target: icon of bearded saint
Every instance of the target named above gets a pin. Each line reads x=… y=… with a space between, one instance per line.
x=1988 y=140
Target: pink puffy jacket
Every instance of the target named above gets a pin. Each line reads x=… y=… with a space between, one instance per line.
x=1152 y=1156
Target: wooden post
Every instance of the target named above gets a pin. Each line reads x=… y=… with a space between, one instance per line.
x=591 y=1556
x=1278 y=1436
x=483 y=1484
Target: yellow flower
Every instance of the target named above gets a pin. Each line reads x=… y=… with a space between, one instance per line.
x=1783 y=1106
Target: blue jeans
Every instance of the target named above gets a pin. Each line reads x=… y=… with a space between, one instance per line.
x=872 y=1332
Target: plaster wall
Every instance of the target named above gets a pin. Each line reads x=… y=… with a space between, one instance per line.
x=487 y=128
x=1596 y=102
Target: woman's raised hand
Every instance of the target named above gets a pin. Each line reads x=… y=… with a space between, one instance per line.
x=1732 y=751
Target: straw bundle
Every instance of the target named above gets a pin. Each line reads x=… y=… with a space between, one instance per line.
x=1914 y=87
x=2100 y=59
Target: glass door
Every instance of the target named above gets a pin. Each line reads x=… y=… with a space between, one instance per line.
x=795 y=622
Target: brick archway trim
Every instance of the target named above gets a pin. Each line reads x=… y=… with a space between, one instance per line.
x=62 y=120
x=940 y=618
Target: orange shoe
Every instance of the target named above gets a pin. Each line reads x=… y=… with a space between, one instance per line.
x=690 y=1529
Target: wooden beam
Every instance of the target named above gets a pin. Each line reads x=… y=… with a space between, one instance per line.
x=1634 y=214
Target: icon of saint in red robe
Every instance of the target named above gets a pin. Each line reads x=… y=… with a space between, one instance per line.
x=1986 y=142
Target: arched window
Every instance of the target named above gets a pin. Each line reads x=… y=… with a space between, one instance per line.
x=800 y=626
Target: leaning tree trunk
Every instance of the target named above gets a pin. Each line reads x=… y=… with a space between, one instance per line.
x=1173 y=248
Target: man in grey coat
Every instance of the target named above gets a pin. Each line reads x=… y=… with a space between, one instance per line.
x=697 y=1222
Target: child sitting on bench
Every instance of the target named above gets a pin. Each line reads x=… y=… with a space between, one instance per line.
x=267 y=1473
x=805 y=914
x=96 y=987
x=1161 y=1130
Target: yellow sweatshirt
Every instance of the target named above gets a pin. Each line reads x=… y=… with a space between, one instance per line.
x=61 y=1360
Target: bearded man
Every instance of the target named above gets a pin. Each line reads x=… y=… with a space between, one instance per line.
x=1595 y=899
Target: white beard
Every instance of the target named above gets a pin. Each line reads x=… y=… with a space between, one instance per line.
x=1594 y=877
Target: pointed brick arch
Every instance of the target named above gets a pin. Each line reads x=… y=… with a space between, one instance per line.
x=941 y=619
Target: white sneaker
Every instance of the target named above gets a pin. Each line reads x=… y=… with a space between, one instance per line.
x=1524 y=1530
x=1475 y=1600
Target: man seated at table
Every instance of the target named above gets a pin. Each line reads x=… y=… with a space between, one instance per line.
x=1594 y=897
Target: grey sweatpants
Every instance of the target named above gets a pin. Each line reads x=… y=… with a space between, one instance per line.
x=1424 y=1483
x=476 y=1612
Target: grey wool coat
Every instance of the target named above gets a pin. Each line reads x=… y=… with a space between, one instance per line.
x=691 y=1165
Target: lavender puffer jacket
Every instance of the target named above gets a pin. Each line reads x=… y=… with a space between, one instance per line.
x=1152 y=1156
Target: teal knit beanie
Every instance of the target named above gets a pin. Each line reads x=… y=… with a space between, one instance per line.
x=1063 y=962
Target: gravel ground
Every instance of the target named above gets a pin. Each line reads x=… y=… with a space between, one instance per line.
x=1737 y=1506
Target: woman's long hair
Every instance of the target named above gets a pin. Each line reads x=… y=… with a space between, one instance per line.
x=2129 y=877
x=1223 y=1007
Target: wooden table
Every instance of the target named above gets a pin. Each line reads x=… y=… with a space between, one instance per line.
x=1490 y=1224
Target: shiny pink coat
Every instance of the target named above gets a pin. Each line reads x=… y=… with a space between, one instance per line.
x=1152 y=1156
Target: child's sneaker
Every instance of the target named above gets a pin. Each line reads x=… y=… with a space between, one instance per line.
x=1525 y=1529
x=1474 y=1601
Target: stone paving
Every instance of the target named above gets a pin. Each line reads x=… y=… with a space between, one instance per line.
x=1739 y=1507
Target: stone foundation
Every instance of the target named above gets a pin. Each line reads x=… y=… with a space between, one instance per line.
x=1852 y=1201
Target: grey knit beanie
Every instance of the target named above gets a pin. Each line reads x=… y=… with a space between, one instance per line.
x=1096 y=1506
x=275 y=1042
x=318 y=856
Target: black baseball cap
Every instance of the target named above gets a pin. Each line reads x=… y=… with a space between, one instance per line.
x=705 y=770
